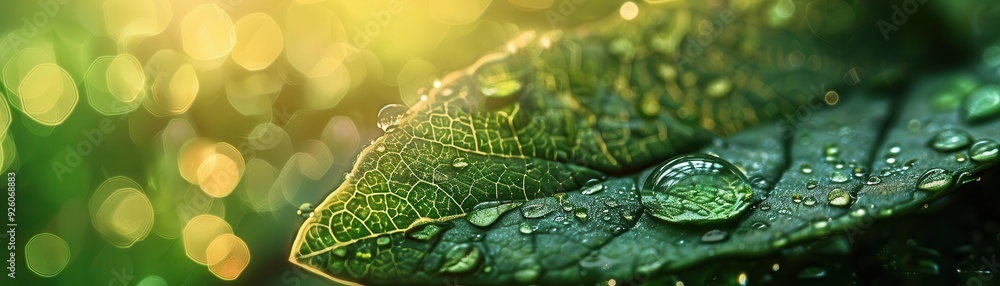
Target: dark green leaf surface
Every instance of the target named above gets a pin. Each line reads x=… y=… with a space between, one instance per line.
x=527 y=166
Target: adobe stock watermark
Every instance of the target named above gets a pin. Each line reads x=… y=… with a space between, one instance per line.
x=33 y=25
x=373 y=28
x=986 y=269
x=900 y=14
x=74 y=154
x=694 y=47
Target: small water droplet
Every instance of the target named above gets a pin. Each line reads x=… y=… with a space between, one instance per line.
x=383 y=240
x=839 y=177
x=839 y=197
x=831 y=149
x=961 y=157
x=536 y=210
x=951 y=140
x=859 y=213
x=580 y=213
x=426 y=232
x=873 y=180
x=811 y=184
x=714 y=235
x=462 y=258
x=389 y=116
x=894 y=149
x=806 y=168
x=890 y=160
x=593 y=186
x=759 y=225
x=809 y=200
x=486 y=213
x=340 y=252
x=812 y=273
x=935 y=180
x=796 y=198
x=670 y=184
x=525 y=228
x=305 y=210
x=985 y=151
x=761 y=183
x=459 y=163
x=380 y=148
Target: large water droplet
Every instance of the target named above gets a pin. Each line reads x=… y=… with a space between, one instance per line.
x=985 y=151
x=696 y=189
x=839 y=197
x=390 y=115
x=950 y=140
x=486 y=213
x=714 y=235
x=982 y=104
x=536 y=210
x=462 y=258
x=935 y=180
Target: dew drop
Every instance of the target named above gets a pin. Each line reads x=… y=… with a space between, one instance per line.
x=839 y=197
x=486 y=213
x=796 y=198
x=985 y=151
x=894 y=149
x=426 y=232
x=812 y=273
x=811 y=184
x=462 y=258
x=935 y=180
x=761 y=183
x=389 y=116
x=525 y=228
x=383 y=240
x=714 y=235
x=961 y=157
x=305 y=210
x=809 y=200
x=806 y=168
x=831 y=150
x=759 y=225
x=580 y=213
x=672 y=186
x=593 y=186
x=951 y=140
x=982 y=104
x=459 y=163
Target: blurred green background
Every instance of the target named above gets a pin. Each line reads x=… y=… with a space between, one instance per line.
x=172 y=142
x=142 y=132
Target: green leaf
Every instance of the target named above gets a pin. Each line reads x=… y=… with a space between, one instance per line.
x=530 y=166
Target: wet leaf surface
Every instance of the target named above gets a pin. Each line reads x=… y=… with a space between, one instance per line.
x=533 y=165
